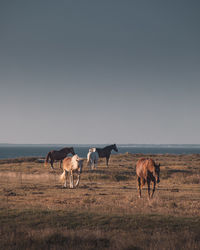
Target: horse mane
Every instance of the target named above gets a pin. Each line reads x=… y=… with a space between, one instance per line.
x=74 y=161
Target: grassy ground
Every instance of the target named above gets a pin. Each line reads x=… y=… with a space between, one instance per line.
x=36 y=212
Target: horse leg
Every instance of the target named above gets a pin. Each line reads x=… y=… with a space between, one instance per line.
x=78 y=180
x=71 y=180
x=92 y=165
x=148 y=183
x=52 y=164
x=95 y=164
x=154 y=187
x=65 y=184
x=139 y=186
x=107 y=160
x=61 y=164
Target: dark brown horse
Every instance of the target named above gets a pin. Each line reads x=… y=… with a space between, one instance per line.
x=147 y=170
x=58 y=155
x=105 y=152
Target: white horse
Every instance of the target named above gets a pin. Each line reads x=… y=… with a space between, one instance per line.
x=92 y=158
x=89 y=153
x=71 y=165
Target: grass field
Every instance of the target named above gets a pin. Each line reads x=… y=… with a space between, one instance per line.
x=104 y=212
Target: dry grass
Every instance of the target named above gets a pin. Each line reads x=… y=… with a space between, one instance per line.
x=36 y=212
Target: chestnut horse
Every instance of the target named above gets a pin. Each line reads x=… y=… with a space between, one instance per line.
x=71 y=165
x=58 y=155
x=106 y=151
x=147 y=170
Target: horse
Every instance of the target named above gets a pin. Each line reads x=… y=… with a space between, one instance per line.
x=106 y=151
x=58 y=155
x=92 y=158
x=147 y=170
x=71 y=165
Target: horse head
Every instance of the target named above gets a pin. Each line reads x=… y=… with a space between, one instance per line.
x=115 y=148
x=77 y=163
x=157 y=172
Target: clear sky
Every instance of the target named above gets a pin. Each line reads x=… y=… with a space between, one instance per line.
x=100 y=71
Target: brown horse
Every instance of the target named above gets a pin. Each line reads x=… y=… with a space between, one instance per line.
x=105 y=152
x=147 y=170
x=58 y=155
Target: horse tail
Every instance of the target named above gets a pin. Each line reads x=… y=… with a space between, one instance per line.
x=47 y=158
x=63 y=177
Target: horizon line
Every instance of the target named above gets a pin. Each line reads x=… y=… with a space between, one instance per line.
x=99 y=143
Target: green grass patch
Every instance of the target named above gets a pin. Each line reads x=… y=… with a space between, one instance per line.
x=43 y=218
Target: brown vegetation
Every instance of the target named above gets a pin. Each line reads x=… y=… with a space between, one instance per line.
x=36 y=212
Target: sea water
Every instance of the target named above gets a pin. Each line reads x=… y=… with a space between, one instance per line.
x=16 y=151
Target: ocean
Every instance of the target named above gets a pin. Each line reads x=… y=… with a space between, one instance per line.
x=16 y=151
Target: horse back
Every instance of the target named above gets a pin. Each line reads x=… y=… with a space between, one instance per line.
x=144 y=166
x=58 y=155
x=102 y=152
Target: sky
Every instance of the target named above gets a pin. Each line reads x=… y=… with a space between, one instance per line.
x=76 y=72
